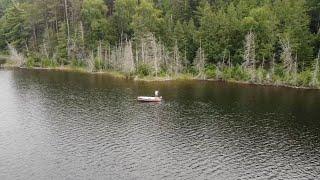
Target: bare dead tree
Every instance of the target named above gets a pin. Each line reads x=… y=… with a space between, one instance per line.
x=44 y=49
x=176 y=64
x=229 y=60
x=199 y=63
x=295 y=73
x=273 y=64
x=315 y=75
x=98 y=58
x=150 y=53
x=82 y=31
x=67 y=22
x=155 y=56
x=15 y=56
x=249 y=51
x=250 y=55
x=286 y=56
x=128 y=59
x=272 y=69
x=90 y=62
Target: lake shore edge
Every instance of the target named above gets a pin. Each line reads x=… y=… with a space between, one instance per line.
x=187 y=77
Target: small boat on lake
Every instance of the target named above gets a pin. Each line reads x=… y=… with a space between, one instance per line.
x=156 y=98
x=149 y=99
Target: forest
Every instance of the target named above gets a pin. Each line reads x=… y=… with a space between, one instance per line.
x=258 y=41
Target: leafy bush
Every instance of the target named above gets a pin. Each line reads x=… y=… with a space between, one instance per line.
x=238 y=73
x=30 y=62
x=191 y=70
x=143 y=70
x=261 y=75
x=226 y=73
x=162 y=73
x=77 y=63
x=235 y=73
x=33 y=60
x=304 y=78
x=210 y=71
x=98 y=65
x=47 y=62
x=279 y=71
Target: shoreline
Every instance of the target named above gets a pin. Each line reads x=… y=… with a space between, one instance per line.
x=187 y=77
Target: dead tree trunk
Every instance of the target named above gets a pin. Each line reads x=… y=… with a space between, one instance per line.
x=68 y=27
x=286 y=56
x=249 y=51
x=199 y=63
x=315 y=81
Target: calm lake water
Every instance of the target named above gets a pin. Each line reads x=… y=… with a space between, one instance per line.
x=63 y=125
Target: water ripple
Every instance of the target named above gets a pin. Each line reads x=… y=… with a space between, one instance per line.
x=56 y=125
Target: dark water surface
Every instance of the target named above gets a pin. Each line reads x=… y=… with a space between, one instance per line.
x=62 y=125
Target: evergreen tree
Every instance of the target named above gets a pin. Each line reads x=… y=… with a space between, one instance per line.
x=15 y=28
x=294 y=26
x=124 y=11
x=97 y=26
x=147 y=19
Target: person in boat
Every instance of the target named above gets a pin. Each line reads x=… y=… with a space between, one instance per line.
x=156 y=98
x=156 y=94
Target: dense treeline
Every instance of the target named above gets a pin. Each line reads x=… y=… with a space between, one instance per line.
x=264 y=41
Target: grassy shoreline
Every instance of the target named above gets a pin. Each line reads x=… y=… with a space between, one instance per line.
x=185 y=76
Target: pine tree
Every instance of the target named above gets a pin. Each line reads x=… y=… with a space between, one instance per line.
x=147 y=19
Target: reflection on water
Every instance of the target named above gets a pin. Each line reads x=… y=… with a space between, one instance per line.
x=62 y=125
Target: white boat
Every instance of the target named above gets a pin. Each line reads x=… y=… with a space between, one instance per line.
x=156 y=98
x=149 y=99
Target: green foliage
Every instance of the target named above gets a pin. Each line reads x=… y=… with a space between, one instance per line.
x=77 y=63
x=33 y=60
x=263 y=22
x=235 y=73
x=279 y=71
x=185 y=35
x=14 y=28
x=143 y=70
x=305 y=78
x=62 y=52
x=294 y=26
x=146 y=19
x=98 y=27
x=47 y=63
x=219 y=32
x=210 y=71
x=50 y=33
x=98 y=64
x=181 y=10
x=124 y=11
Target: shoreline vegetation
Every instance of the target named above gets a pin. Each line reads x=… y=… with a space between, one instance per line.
x=243 y=41
x=121 y=75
